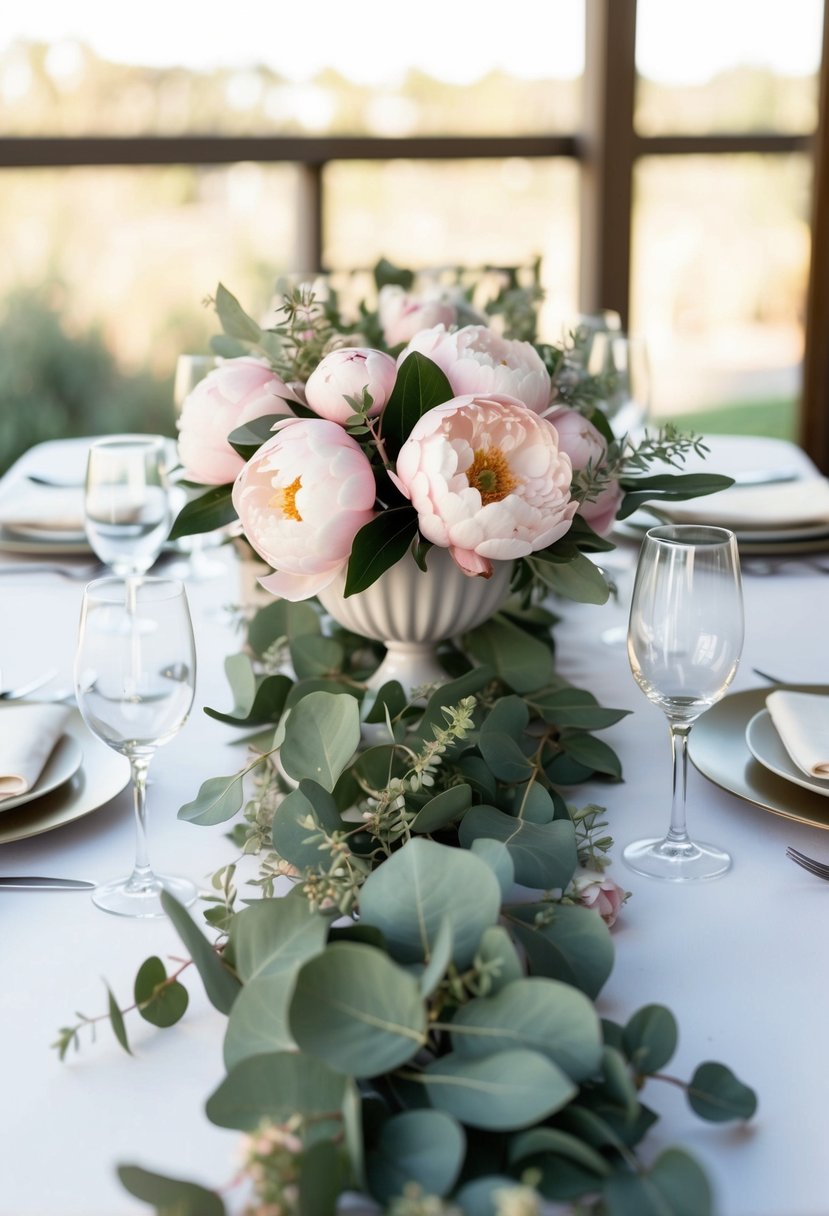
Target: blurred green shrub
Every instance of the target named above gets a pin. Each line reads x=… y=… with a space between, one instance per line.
x=56 y=384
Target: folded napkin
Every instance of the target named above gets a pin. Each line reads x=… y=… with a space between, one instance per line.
x=43 y=508
x=784 y=505
x=801 y=719
x=28 y=734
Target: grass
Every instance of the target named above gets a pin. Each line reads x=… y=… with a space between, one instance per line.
x=774 y=416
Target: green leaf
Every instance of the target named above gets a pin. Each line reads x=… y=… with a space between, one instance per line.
x=534 y=803
x=269 y=700
x=509 y=716
x=675 y=1186
x=575 y=707
x=480 y=1197
x=387 y=274
x=443 y=809
x=669 y=487
x=538 y=1014
x=504 y=756
x=420 y=386
x=499 y=1092
x=408 y=896
x=322 y=1179
x=158 y=1002
x=425 y=1147
x=357 y=1010
x=281 y=619
x=497 y=857
x=649 y=1039
x=618 y=1084
x=313 y=655
x=117 y=1021
x=576 y=578
x=322 y=733
x=221 y=985
x=212 y=510
x=544 y=855
x=379 y=545
x=439 y=961
x=218 y=799
x=275 y=935
x=389 y=697
x=520 y=660
x=717 y=1095
x=571 y=944
x=170 y=1196
x=498 y=955
x=258 y=1022
x=275 y=1087
x=561 y=1144
x=248 y=438
x=593 y=753
x=292 y=837
x=233 y=319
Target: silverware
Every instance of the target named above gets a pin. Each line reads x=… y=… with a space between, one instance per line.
x=54 y=482
x=766 y=477
x=23 y=690
x=85 y=571
x=28 y=882
x=818 y=868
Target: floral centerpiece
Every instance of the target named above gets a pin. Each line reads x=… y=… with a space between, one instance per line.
x=416 y=1020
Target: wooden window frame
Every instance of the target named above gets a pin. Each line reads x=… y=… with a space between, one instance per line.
x=606 y=149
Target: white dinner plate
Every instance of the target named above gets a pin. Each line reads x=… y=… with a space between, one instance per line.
x=43 y=546
x=641 y=520
x=103 y=774
x=62 y=764
x=765 y=745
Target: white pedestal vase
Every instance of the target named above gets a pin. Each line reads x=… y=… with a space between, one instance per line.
x=410 y=611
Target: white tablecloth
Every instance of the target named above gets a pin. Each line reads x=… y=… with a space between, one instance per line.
x=741 y=961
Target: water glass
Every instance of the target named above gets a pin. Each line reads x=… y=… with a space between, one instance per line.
x=127 y=512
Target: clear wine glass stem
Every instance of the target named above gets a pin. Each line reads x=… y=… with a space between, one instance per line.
x=142 y=874
x=677 y=832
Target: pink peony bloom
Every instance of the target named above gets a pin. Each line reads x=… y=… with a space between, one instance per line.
x=346 y=373
x=235 y=392
x=402 y=314
x=477 y=360
x=595 y=890
x=487 y=480
x=302 y=498
x=584 y=444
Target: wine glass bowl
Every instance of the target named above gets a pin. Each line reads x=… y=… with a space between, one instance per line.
x=127 y=512
x=135 y=670
x=685 y=637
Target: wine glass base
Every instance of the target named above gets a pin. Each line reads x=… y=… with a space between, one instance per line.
x=142 y=897
x=676 y=860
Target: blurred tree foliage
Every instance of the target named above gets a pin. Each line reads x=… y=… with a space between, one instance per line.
x=54 y=383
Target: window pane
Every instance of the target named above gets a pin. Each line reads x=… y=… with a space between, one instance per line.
x=737 y=66
x=354 y=69
x=720 y=265
x=466 y=213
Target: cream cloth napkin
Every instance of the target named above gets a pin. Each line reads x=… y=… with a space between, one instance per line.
x=785 y=505
x=47 y=508
x=801 y=719
x=28 y=734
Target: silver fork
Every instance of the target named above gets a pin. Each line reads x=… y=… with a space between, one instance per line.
x=818 y=868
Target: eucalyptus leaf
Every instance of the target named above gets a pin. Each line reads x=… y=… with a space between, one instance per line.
x=389 y=698
x=170 y=1196
x=293 y=836
x=313 y=655
x=544 y=855
x=274 y=1087
x=419 y=387
x=561 y=1144
x=408 y=896
x=509 y=716
x=650 y=1037
x=425 y=1147
x=221 y=986
x=534 y=803
x=233 y=319
x=357 y=1010
x=504 y=756
x=520 y=660
x=618 y=1082
x=500 y=1092
x=675 y=1186
x=481 y=1196
x=213 y=509
x=593 y=753
x=443 y=809
x=272 y=936
x=497 y=954
x=158 y=1001
x=322 y=1179
x=575 y=707
x=576 y=578
x=270 y=698
x=116 y=1020
x=258 y=1021
x=669 y=487
x=568 y=943
x=281 y=619
x=497 y=856
x=218 y=799
x=378 y=545
x=541 y=1015
x=714 y=1093
x=322 y=733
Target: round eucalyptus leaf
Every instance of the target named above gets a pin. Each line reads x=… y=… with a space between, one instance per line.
x=480 y=1197
x=497 y=856
x=650 y=1037
x=408 y=896
x=292 y=836
x=160 y=1003
x=258 y=1022
x=499 y=1092
x=544 y=854
x=443 y=809
x=675 y=1186
x=618 y=1082
x=552 y=1141
x=322 y=1178
x=716 y=1094
x=422 y=1146
x=509 y=716
x=575 y=946
x=274 y=1087
x=435 y=969
x=313 y=655
x=538 y=1014
x=357 y=1010
x=504 y=756
x=533 y=802
x=275 y=935
x=170 y=1194
x=322 y=733
x=497 y=953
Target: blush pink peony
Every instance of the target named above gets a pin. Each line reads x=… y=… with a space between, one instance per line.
x=585 y=445
x=477 y=360
x=403 y=314
x=595 y=890
x=235 y=392
x=301 y=499
x=345 y=373
x=487 y=480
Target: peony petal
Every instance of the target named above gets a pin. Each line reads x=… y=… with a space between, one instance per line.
x=470 y=562
x=296 y=587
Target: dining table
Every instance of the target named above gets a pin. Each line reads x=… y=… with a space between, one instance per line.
x=742 y=961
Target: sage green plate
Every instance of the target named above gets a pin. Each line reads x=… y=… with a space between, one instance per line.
x=717 y=747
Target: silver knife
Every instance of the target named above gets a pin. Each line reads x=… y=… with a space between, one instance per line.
x=29 y=882
x=766 y=477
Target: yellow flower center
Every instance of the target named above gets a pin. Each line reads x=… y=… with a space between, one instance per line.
x=284 y=500
x=490 y=475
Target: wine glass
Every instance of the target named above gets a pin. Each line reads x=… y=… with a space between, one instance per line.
x=127 y=512
x=684 y=642
x=135 y=670
x=190 y=369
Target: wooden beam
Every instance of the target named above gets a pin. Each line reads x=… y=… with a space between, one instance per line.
x=607 y=152
x=814 y=414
